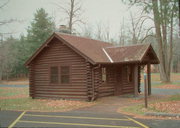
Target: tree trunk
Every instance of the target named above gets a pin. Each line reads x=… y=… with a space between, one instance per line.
x=161 y=50
x=71 y=16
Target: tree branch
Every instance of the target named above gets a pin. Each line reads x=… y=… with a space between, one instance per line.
x=146 y=37
x=1 y=6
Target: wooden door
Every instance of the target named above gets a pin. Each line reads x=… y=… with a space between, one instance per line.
x=118 y=81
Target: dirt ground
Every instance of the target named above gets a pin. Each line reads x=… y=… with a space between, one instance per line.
x=113 y=103
x=169 y=106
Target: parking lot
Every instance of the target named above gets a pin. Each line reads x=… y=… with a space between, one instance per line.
x=73 y=119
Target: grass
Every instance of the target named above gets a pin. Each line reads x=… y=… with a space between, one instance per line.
x=175 y=97
x=155 y=79
x=140 y=110
x=137 y=109
x=161 y=84
x=8 y=91
x=18 y=99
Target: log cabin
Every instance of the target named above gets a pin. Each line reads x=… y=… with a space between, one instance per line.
x=72 y=67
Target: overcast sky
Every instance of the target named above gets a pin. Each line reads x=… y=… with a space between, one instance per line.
x=108 y=12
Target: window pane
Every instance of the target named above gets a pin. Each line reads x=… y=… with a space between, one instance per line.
x=54 y=75
x=129 y=73
x=65 y=70
x=54 y=70
x=104 y=75
x=64 y=79
x=65 y=74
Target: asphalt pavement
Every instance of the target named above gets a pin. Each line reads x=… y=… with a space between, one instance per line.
x=79 y=119
x=67 y=120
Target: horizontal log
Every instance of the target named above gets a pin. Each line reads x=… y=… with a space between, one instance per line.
x=61 y=93
x=60 y=96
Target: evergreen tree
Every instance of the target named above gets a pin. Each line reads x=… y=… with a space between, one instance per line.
x=41 y=28
x=19 y=49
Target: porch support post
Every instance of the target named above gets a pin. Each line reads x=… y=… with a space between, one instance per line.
x=136 y=80
x=149 y=78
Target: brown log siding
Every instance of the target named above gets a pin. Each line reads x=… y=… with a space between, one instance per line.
x=31 y=81
x=89 y=80
x=117 y=82
x=58 y=54
x=107 y=88
x=127 y=87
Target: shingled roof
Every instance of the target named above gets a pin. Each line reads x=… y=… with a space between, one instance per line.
x=98 y=51
x=134 y=53
x=93 y=49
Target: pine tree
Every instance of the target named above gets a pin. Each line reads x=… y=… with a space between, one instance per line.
x=41 y=28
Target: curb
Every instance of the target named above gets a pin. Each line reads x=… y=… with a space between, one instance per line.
x=163 y=114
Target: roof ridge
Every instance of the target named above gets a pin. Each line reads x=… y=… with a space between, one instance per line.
x=129 y=45
x=82 y=37
x=145 y=51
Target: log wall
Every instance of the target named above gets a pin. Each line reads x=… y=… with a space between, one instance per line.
x=89 y=81
x=85 y=79
x=127 y=87
x=117 y=82
x=31 y=81
x=59 y=54
x=107 y=88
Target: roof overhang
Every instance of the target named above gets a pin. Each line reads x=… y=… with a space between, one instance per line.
x=54 y=35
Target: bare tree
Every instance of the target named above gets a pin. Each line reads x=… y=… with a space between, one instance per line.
x=6 y=22
x=106 y=34
x=99 y=31
x=87 y=31
x=73 y=11
x=164 y=22
x=102 y=32
x=122 y=35
x=7 y=58
x=3 y=22
x=165 y=13
x=138 y=31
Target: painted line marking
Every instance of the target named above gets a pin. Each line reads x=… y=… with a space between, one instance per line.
x=137 y=122
x=76 y=117
x=76 y=124
x=17 y=119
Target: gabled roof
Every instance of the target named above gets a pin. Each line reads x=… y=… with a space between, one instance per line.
x=97 y=51
x=133 y=53
x=89 y=47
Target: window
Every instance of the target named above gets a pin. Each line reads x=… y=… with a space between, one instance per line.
x=54 y=74
x=104 y=76
x=129 y=73
x=65 y=74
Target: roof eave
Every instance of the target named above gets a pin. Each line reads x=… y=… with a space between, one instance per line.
x=38 y=50
x=149 y=46
x=76 y=50
x=27 y=63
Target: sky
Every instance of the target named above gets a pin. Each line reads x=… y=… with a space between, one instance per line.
x=108 y=12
